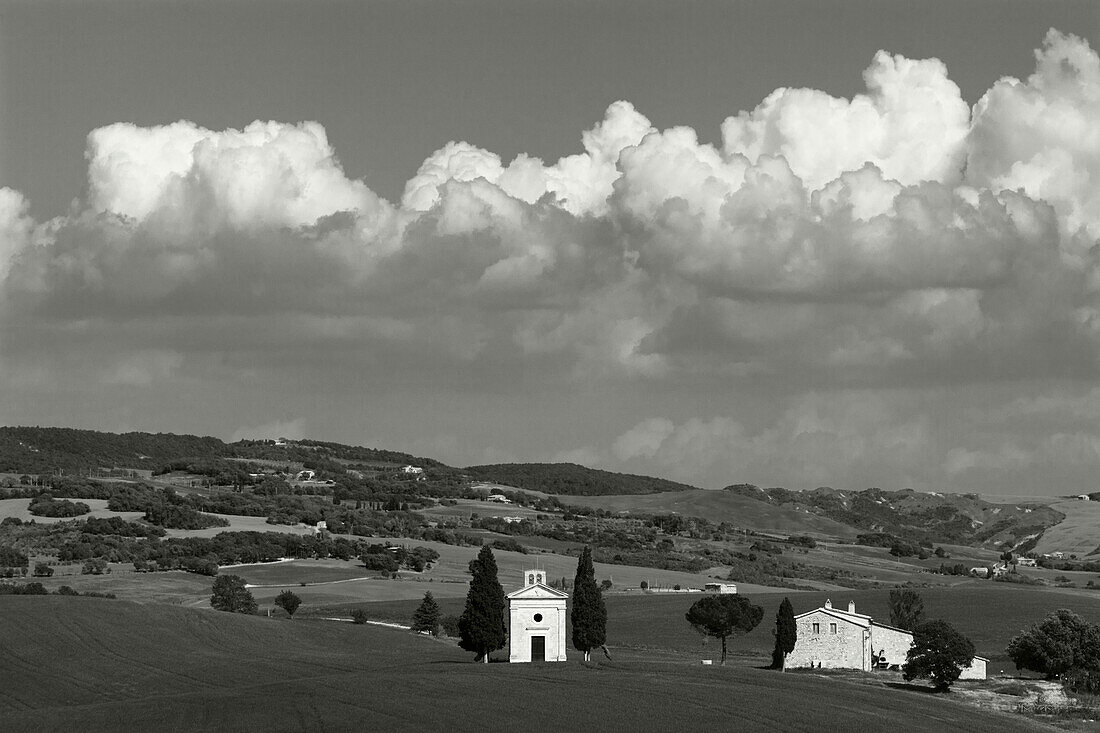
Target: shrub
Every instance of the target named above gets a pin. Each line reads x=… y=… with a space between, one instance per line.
x=358 y=616
x=939 y=652
x=66 y=590
x=230 y=594
x=42 y=570
x=644 y=585
x=449 y=624
x=1060 y=642
x=288 y=601
x=47 y=506
x=95 y=566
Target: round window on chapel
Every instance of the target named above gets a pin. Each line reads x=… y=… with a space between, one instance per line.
x=538 y=617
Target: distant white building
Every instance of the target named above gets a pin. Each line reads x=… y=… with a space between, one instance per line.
x=1084 y=497
x=1025 y=562
x=722 y=588
x=412 y=470
x=536 y=621
x=833 y=639
x=499 y=499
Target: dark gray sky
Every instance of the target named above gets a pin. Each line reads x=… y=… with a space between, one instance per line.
x=882 y=279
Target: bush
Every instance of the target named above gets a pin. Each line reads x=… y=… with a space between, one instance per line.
x=449 y=624
x=66 y=590
x=42 y=570
x=358 y=616
x=230 y=594
x=47 y=506
x=1059 y=643
x=288 y=601
x=95 y=566
x=939 y=652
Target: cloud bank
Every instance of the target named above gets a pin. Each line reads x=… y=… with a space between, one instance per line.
x=834 y=249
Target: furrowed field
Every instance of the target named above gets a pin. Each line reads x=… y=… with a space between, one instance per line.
x=92 y=664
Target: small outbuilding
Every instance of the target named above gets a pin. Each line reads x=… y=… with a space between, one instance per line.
x=536 y=621
x=721 y=588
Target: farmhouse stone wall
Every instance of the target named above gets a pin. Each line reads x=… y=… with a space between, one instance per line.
x=975 y=671
x=894 y=642
x=846 y=648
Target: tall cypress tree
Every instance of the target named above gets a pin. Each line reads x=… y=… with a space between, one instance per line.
x=786 y=634
x=589 y=614
x=481 y=625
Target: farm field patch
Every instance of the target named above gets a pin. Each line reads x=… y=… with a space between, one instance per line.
x=18 y=508
x=721 y=506
x=89 y=664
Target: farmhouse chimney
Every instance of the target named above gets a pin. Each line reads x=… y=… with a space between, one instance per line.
x=828 y=603
x=851 y=606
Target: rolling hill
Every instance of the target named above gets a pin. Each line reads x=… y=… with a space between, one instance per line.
x=571 y=479
x=87 y=664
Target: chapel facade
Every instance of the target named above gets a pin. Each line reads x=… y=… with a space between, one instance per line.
x=536 y=621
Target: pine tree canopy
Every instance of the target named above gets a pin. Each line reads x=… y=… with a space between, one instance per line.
x=427 y=615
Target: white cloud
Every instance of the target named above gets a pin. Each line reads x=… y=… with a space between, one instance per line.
x=827 y=241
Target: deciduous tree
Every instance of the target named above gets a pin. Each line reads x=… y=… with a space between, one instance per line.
x=939 y=652
x=722 y=616
x=288 y=601
x=481 y=626
x=589 y=614
x=427 y=615
x=906 y=608
x=1060 y=642
x=786 y=634
x=230 y=594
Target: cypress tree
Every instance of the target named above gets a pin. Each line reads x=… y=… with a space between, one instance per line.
x=427 y=615
x=589 y=614
x=481 y=625
x=786 y=634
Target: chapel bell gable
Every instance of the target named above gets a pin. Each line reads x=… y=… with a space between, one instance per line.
x=534 y=576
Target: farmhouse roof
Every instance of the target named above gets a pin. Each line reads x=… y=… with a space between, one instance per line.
x=851 y=617
x=892 y=628
x=537 y=590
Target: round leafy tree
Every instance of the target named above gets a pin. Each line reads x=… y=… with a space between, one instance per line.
x=229 y=594
x=1060 y=642
x=288 y=601
x=939 y=652
x=722 y=616
x=786 y=634
x=427 y=615
x=481 y=625
x=589 y=614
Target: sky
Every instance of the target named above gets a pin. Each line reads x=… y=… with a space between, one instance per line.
x=797 y=244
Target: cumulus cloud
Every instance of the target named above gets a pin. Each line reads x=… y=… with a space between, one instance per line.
x=885 y=240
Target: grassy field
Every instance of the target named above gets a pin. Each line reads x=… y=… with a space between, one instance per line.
x=1078 y=533
x=18 y=508
x=721 y=506
x=988 y=613
x=89 y=664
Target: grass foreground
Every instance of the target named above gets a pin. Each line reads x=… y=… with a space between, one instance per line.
x=92 y=664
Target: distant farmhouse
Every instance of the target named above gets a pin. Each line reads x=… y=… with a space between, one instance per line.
x=833 y=639
x=499 y=499
x=412 y=470
x=722 y=588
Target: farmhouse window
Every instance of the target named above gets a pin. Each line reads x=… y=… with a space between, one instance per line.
x=817 y=628
x=832 y=628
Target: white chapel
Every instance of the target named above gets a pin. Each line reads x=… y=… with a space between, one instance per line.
x=536 y=621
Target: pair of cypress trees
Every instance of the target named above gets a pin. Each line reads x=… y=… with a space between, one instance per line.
x=482 y=627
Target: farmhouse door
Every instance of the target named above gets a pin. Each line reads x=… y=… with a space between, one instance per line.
x=538 y=648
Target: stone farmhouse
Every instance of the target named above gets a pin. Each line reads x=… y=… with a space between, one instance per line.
x=834 y=639
x=536 y=621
